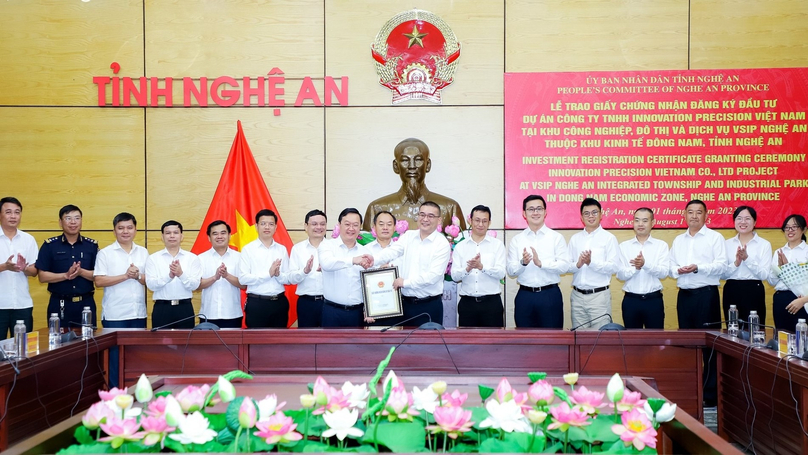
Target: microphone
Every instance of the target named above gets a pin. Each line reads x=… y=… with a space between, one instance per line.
x=610 y=326
x=193 y=316
x=426 y=326
x=746 y=335
x=4 y=358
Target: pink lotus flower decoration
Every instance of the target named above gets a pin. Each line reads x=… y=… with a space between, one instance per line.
x=402 y=226
x=565 y=417
x=328 y=398
x=399 y=406
x=630 y=401
x=456 y=399
x=109 y=396
x=192 y=398
x=440 y=228
x=541 y=393
x=155 y=429
x=247 y=414
x=157 y=407
x=588 y=400
x=373 y=232
x=120 y=431
x=492 y=233
x=335 y=232
x=504 y=392
x=455 y=221
x=278 y=429
x=636 y=430
x=451 y=420
x=97 y=414
x=452 y=230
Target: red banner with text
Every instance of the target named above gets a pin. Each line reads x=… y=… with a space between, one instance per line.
x=657 y=139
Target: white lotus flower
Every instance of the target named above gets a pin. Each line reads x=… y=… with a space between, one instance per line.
x=665 y=413
x=143 y=390
x=357 y=395
x=614 y=390
x=506 y=416
x=341 y=424
x=194 y=429
x=424 y=400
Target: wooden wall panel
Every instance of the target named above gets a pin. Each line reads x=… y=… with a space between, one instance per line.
x=187 y=151
x=352 y=28
x=89 y=157
x=234 y=37
x=467 y=159
x=749 y=34
x=51 y=49
x=592 y=35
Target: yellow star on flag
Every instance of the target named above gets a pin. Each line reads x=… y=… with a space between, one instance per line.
x=245 y=233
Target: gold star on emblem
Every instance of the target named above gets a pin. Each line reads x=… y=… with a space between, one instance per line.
x=415 y=37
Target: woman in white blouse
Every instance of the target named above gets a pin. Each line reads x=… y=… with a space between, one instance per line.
x=749 y=259
x=795 y=250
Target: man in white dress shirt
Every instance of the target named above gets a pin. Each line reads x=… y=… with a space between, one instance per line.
x=478 y=263
x=173 y=274
x=426 y=254
x=698 y=259
x=537 y=257
x=264 y=269
x=644 y=262
x=18 y=251
x=221 y=290
x=304 y=271
x=340 y=261
x=594 y=256
x=119 y=270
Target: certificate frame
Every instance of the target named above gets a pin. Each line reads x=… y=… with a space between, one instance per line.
x=381 y=300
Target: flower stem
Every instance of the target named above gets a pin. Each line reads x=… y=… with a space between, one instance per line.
x=566 y=440
x=306 y=429
x=445 y=437
x=238 y=435
x=532 y=437
x=616 y=416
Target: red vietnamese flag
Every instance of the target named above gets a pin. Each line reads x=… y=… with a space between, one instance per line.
x=240 y=195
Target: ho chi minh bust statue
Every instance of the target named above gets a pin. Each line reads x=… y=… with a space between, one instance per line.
x=412 y=163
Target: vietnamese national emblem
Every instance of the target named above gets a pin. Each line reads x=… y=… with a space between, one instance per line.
x=416 y=56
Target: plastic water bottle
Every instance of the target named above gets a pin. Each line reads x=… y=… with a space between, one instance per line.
x=54 y=331
x=732 y=322
x=86 y=323
x=20 y=340
x=802 y=336
x=758 y=336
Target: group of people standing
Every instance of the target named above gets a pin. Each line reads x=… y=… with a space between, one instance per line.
x=329 y=287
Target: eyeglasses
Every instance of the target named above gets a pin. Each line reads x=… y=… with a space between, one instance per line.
x=592 y=213
x=70 y=219
x=428 y=216
x=743 y=219
x=534 y=209
x=266 y=224
x=791 y=227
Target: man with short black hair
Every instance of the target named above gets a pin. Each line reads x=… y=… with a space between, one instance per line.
x=644 y=262
x=425 y=254
x=173 y=274
x=341 y=260
x=20 y=248
x=594 y=257
x=264 y=269
x=478 y=263
x=221 y=290
x=304 y=271
x=66 y=263
x=537 y=257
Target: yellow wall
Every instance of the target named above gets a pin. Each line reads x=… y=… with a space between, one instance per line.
x=158 y=163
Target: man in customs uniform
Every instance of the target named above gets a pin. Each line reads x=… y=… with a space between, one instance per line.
x=66 y=263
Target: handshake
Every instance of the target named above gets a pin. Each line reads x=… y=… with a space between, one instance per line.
x=365 y=260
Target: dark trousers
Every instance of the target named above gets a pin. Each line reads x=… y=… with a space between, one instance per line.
x=336 y=315
x=746 y=295
x=309 y=311
x=433 y=306
x=784 y=320
x=485 y=311
x=544 y=309
x=71 y=318
x=114 y=354
x=8 y=318
x=695 y=307
x=264 y=313
x=164 y=313
x=234 y=323
x=644 y=311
